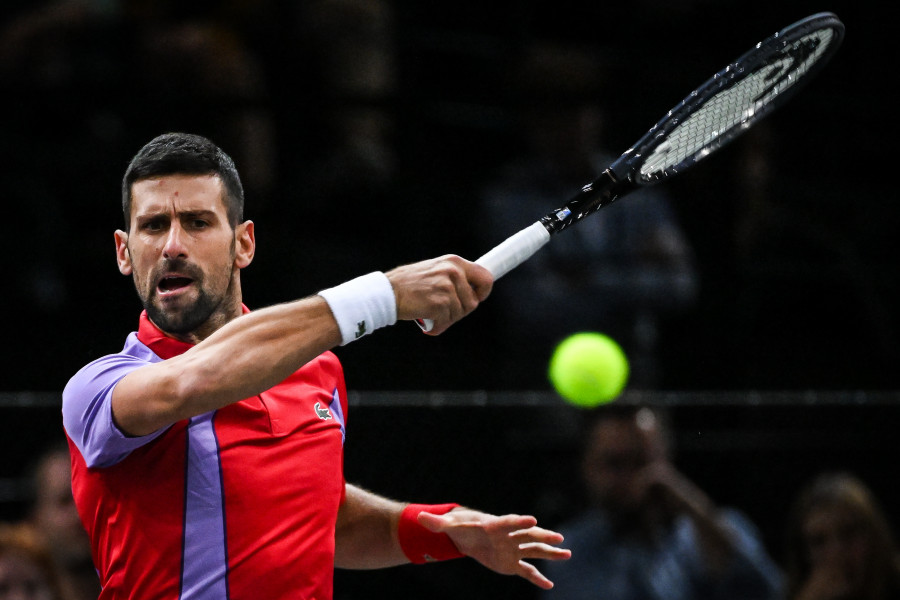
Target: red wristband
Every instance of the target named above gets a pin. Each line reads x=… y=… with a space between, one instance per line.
x=418 y=543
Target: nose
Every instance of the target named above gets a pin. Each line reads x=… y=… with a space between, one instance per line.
x=175 y=243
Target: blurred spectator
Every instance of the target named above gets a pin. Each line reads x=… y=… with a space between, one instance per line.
x=26 y=570
x=839 y=543
x=55 y=522
x=619 y=271
x=650 y=533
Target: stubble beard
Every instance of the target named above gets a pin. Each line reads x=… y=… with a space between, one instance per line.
x=187 y=319
x=199 y=314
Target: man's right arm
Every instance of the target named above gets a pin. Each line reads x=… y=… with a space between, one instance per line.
x=260 y=349
x=245 y=357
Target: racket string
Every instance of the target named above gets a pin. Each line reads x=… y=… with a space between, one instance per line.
x=736 y=106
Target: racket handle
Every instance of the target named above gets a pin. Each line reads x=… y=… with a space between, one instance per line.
x=507 y=255
x=515 y=250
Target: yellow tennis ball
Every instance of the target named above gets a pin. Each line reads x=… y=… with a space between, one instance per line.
x=588 y=369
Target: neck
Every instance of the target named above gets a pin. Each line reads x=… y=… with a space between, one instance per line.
x=215 y=322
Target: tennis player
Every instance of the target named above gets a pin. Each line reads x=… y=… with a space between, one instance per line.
x=207 y=455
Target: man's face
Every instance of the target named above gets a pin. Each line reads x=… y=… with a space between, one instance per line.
x=183 y=254
x=619 y=449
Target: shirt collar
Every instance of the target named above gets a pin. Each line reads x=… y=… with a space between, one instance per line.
x=162 y=345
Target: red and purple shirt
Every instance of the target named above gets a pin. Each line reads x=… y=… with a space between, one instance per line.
x=240 y=502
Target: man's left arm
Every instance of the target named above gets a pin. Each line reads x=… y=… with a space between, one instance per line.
x=374 y=532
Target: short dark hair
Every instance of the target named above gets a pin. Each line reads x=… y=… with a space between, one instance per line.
x=184 y=154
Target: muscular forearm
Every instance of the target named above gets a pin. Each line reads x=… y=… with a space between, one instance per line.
x=366 y=534
x=245 y=357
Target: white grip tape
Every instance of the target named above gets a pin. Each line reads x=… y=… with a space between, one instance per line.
x=514 y=250
x=362 y=305
x=508 y=255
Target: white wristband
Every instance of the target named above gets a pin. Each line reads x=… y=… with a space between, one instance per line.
x=362 y=305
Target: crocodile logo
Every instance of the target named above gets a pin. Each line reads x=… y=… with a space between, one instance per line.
x=322 y=413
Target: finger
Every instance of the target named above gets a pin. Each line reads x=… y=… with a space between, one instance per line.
x=532 y=574
x=438 y=329
x=480 y=280
x=537 y=550
x=462 y=299
x=444 y=312
x=516 y=523
x=537 y=534
x=472 y=283
x=468 y=301
x=510 y=524
x=434 y=523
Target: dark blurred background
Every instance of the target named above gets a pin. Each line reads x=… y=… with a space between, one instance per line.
x=366 y=130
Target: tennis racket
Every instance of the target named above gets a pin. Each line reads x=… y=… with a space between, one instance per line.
x=715 y=113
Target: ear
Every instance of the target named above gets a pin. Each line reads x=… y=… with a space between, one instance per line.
x=245 y=238
x=123 y=257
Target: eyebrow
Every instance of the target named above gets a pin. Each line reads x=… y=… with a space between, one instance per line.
x=188 y=214
x=193 y=214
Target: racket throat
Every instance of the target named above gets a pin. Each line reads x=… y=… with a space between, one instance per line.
x=592 y=197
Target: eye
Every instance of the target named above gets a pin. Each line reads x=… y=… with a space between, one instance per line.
x=153 y=225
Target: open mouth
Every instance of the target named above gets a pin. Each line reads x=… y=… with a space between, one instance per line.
x=173 y=283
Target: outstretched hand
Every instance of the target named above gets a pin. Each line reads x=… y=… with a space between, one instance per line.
x=502 y=544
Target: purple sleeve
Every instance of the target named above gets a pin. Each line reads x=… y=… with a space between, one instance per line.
x=87 y=411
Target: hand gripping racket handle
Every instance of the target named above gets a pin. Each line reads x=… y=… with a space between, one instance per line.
x=508 y=255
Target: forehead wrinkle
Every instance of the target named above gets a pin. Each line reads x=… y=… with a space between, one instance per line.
x=177 y=195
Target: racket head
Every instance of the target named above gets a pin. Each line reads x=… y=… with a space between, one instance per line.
x=732 y=100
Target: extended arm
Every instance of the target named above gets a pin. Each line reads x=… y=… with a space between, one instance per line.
x=256 y=351
x=368 y=526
